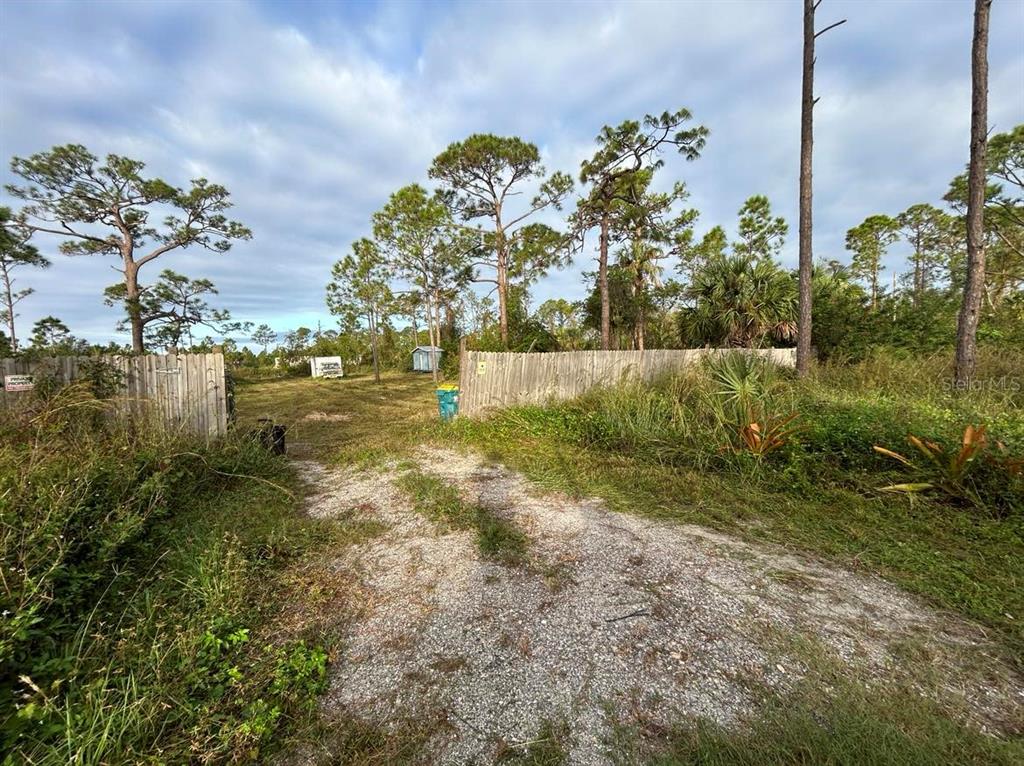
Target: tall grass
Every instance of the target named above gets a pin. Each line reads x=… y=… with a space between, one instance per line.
x=137 y=564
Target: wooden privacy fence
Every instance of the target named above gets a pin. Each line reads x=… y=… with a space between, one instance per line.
x=493 y=380
x=186 y=391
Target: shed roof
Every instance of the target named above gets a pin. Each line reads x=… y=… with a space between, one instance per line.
x=438 y=349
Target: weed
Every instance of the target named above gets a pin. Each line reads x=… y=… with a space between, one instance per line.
x=141 y=570
x=547 y=748
x=831 y=714
x=497 y=538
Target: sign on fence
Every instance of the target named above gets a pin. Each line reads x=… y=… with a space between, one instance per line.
x=186 y=391
x=326 y=367
x=18 y=382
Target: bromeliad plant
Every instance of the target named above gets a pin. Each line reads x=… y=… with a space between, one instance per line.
x=761 y=436
x=956 y=473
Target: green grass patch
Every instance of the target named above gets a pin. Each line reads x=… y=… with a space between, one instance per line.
x=347 y=741
x=829 y=717
x=853 y=728
x=548 y=748
x=351 y=419
x=497 y=538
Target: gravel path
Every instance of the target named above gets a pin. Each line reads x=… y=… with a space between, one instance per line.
x=610 y=613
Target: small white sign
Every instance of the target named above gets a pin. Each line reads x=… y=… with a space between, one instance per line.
x=326 y=367
x=18 y=383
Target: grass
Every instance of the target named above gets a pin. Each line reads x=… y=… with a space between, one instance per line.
x=347 y=741
x=167 y=602
x=496 y=538
x=657 y=456
x=850 y=727
x=353 y=418
x=972 y=565
x=548 y=748
x=827 y=714
x=827 y=717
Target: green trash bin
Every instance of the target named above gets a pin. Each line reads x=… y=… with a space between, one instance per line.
x=448 y=401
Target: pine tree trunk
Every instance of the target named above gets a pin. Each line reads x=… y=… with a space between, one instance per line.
x=602 y=281
x=502 y=279
x=9 y=300
x=133 y=306
x=970 y=309
x=806 y=261
x=437 y=335
x=373 y=345
x=432 y=341
x=918 y=276
x=428 y=294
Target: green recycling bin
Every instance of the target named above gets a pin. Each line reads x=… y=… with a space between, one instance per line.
x=448 y=401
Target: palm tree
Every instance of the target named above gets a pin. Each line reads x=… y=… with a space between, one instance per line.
x=742 y=302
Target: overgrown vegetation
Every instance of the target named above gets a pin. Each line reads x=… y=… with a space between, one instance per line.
x=144 y=575
x=684 y=449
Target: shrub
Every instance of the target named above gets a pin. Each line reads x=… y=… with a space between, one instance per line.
x=737 y=412
x=128 y=590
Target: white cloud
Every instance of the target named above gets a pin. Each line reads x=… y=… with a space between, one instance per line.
x=311 y=121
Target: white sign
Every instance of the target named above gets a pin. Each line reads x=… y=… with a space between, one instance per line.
x=326 y=367
x=18 y=383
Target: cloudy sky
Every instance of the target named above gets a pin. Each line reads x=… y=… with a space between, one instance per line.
x=312 y=113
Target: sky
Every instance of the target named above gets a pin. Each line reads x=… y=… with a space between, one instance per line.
x=312 y=113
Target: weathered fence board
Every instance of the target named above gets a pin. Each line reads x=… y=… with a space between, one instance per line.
x=185 y=391
x=493 y=380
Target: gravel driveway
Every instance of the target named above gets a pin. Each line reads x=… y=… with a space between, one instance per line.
x=611 y=617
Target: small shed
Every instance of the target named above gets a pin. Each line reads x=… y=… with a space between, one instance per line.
x=421 y=358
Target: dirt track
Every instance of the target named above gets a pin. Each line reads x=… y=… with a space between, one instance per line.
x=612 y=618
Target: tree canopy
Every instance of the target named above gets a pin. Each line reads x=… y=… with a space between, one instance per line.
x=480 y=176
x=106 y=209
x=15 y=253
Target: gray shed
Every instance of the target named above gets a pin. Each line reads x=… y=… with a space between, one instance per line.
x=421 y=358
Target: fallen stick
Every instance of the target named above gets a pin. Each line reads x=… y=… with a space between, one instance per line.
x=637 y=613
